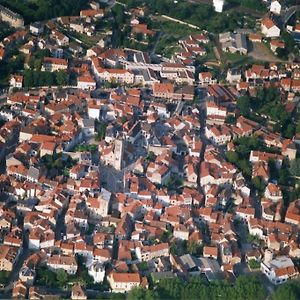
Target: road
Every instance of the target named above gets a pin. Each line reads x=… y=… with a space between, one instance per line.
x=14 y=274
x=287 y=14
x=156 y=43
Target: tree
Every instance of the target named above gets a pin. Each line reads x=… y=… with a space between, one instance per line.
x=289 y=290
x=243 y=104
x=295 y=167
x=4 y=277
x=46 y=277
x=194 y=248
x=258 y=184
x=61 y=78
x=101 y=131
x=282 y=53
x=232 y=156
x=37 y=64
x=151 y=156
x=62 y=277
x=28 y=78
x=289 y=41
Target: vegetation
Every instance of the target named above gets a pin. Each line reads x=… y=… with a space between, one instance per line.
x=240 y=157
x=58 y=164
x=268 y=103
x=35 y=62
x=46 y=277
x=151 y=156
x=295 y=167
x=101 y=130
x=86 y=148
x=4 y=275
x=9 y=67
x=44 y=9
x=5 y=30
x=253 y=264
x=39 y=78
x=246 y=287
x=255 y=5
x=289 y=290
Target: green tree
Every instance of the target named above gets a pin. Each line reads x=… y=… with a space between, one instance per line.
x=4 y=275
x=28 y=78
x=289 y=290
x=243 y=104
x=37 y=64
x=232 y=156
x=295 y=167
x=258 y=184
x=62 y=277
x=151 y=156
x=61 y=78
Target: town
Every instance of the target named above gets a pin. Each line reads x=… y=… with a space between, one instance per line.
x=150 y=149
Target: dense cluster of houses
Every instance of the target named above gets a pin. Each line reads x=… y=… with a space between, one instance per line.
x=156 y=180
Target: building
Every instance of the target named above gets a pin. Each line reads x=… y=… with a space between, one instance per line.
x=218 y=5
x=279 y=270
x=52 y=64
x=8 y=257
x=86 y=83
x=233 y=42
x=234 y=75
x=16 y=81
x=14 y=19
x=269 y=28
x=78 y=293
x=67 y=263
x=123 y=282
x=36 y=28
x=113 y=155
x=97 y=271
x=275 y=7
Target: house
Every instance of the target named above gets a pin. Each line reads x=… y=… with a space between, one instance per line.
x=14 y=19
x=16 y=81
x=234 y=75
x=8 y=257
x=97 y=271
x=67 y=263
x=113 y=154
x=276 y=44
x=269 y=28
x=163 y=90
x=52 y=64
x=219 y=135
x=273 y=192
x=147 y=253
x=86 y=83
x=92 y=13
x=19 y=290
x=233 y=42
x=206 y=78
x=123 y=282
x=61 y=39
x=115 y=76
x=36 y=28
x=27 y=275
x=210 y=252
x=279 y=269
x=78 y=292
x=275 y=7
x=181 y=232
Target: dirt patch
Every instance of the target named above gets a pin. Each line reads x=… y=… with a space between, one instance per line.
x=259 y=51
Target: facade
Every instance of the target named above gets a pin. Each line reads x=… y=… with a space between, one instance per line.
x=14 y=19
